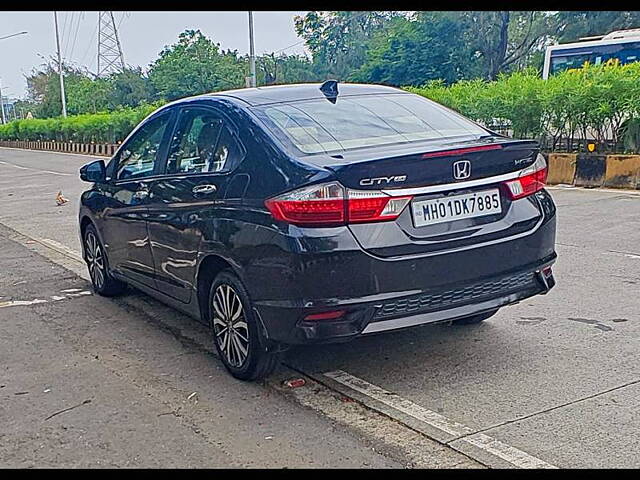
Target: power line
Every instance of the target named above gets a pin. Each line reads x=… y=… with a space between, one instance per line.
x=73 y=45
x=84 y=55
x=66 y=43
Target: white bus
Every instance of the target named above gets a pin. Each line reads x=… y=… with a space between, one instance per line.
x=623 y=45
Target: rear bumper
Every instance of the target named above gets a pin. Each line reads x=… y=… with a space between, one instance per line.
x=334 y=273
x=287 y=325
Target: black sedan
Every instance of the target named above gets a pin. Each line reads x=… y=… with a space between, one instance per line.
x=315 y=213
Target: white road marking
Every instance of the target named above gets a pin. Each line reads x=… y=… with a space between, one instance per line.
x=38 y=170
x=625 y=254
x=20 y=303
x=79 y=294
x=484 y=442
x=36 y=301
x=619 y=191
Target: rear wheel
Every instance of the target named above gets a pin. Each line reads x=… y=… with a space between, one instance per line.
x=238 y=337
x=102 y=281
x=481 y=317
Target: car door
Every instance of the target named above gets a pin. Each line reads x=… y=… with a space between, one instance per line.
x=124 y=220
x=189 y=197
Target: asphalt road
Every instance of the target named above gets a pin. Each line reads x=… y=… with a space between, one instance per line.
x=553 y=381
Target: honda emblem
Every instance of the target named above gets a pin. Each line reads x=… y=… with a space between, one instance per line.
x=462 y=169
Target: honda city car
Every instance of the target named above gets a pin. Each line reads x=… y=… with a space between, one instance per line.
x=316 y=213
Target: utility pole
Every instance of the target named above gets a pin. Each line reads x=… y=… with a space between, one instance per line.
x=2 y=106
x=62 y=94
x=252 y=53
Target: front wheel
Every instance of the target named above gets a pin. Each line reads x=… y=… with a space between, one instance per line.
x=103 y=283
x=238 y=337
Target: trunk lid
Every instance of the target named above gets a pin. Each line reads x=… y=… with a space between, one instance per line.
x=405 y=167
x=402 y=168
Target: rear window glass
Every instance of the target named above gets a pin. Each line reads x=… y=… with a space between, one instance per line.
x=315 y=126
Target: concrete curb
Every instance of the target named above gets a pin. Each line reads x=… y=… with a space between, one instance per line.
x=100 y=149
x=594 y=170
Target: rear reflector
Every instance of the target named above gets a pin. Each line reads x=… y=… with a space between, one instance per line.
x=461 y=151
x=532 y=179
x=325 y=315
x=330 y=204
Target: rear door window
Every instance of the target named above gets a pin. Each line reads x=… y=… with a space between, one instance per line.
x=202 y=143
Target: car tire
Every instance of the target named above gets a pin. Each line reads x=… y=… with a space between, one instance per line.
x=239 y=340
x=95 y=257
x=474 y=319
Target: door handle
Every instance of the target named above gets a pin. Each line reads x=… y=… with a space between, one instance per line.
x=204 y=189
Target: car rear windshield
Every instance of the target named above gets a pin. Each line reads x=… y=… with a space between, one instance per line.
x=314 y=126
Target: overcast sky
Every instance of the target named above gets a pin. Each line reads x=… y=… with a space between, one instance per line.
x=142 y=34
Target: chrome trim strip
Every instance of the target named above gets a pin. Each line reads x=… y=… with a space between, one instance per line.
x=442 y=315
x=453 y=186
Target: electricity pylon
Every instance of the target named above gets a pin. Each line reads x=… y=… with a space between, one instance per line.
x=110 y=57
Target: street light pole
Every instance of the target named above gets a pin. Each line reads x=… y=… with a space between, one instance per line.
x=4 y=120
x=2 y=106
x=252 y=53
x=62 y=95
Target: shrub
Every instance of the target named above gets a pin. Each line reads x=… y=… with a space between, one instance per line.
x=591 y=102
x=97 y=127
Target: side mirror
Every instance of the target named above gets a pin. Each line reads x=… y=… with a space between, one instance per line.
x=94 y=172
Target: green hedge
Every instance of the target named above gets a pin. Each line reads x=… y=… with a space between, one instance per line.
x=592 y=102
x=99 y=127
x=602 y=102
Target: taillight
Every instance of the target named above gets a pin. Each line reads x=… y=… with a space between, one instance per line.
x=374 y=206
x=331 y=204
x=531 y=180
x=317 y=204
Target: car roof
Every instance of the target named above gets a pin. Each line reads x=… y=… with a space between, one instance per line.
x=295 y=92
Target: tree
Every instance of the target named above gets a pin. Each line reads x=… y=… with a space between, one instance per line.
x=415 y=51
x=338 y=40
x=195 y=65
x=43 y=89
x=572 y=25
x=275 y=69
x=130 y=88
x=505 y=41
x=87 y=95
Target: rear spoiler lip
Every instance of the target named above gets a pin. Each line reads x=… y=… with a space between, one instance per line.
x=336 y=165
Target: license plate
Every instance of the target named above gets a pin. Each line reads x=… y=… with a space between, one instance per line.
x=470 y=205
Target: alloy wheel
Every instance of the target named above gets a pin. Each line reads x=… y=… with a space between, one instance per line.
x=230 y=327
x=95 y=260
